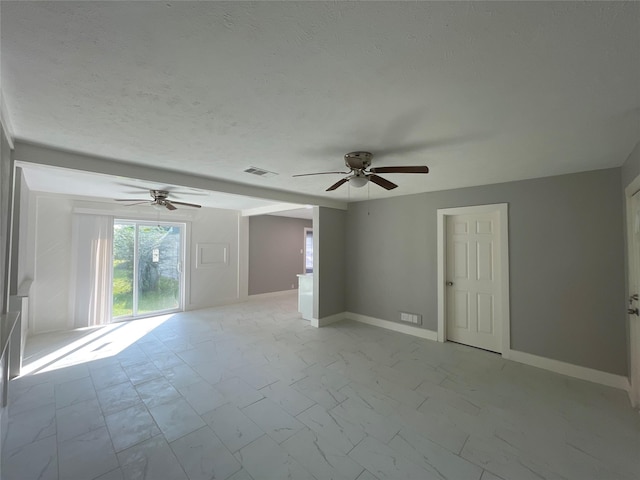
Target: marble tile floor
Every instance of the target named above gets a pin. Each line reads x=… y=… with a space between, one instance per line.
x=251 y=391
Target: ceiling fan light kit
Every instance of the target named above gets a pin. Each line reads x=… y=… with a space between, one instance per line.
x=358 y=160
x=360 y=174
x=358 y=181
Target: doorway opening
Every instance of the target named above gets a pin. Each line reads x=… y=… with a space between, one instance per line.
x=308 y=250
x=148 y=277
x=633 y=262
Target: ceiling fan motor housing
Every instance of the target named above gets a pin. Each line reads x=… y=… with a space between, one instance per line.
x=358 y=160
x=159 y=194
x=159 y=198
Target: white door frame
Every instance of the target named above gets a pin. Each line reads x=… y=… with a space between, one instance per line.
x=634 y=283
x=503 y=265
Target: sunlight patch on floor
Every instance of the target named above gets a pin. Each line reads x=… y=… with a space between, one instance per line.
x=92 y=343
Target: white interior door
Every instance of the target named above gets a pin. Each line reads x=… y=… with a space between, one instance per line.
x=634 y=290
x=472 y=273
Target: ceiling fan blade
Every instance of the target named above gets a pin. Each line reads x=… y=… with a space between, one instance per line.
x=319 y=173
x=382 y=182
x=130 y=200
x=184 y=204
x=138 y=203
x=169 y=205
x=413 y=169
x=337 y=184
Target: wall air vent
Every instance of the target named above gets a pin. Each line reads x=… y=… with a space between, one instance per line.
x=411 y=318
x=260 y=172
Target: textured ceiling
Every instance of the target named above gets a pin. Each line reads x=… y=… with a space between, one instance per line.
x=480 y=92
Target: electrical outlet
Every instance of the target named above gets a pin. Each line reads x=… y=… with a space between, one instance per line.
x=411 y=318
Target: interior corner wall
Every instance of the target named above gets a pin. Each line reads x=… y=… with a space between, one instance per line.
x=26 y=247
x=566 y=263
x=50 y=291
x=276 y=252
x=330 y=238
x=6 y=193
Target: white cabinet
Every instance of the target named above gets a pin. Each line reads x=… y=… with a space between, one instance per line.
x=305 y=295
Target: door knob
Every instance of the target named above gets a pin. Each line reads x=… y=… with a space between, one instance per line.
x=449 y=284
x=633 y=311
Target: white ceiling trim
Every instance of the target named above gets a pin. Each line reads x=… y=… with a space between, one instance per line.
x=283 y=207
x=41 y=155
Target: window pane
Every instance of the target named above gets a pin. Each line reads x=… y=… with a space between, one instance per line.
x=308 y=249
x=158 y=268
x=123 y=251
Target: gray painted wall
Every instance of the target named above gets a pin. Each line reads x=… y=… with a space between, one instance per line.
x=566 y=263
x=274 y=252
x=330 y=261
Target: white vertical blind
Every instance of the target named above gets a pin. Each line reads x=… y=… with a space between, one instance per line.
x=91 y=270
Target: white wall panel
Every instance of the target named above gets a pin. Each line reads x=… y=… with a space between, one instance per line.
x=213 y=278
x=52 y=264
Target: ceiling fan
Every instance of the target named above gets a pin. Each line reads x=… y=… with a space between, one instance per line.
x=160 y=199
x=360 y=173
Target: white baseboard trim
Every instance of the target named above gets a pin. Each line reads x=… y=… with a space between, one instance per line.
x=324 y=321
x=396 y=327
x=557 y=366
x=281 y=293
x=576 y=371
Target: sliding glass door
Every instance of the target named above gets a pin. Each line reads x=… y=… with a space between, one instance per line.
x=147 y=268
